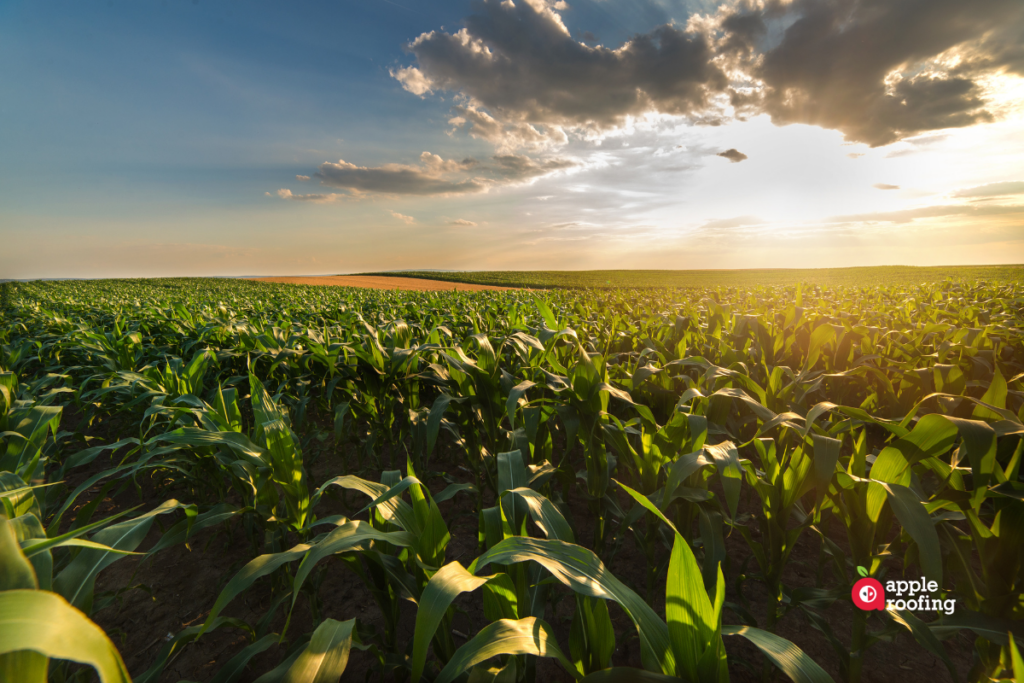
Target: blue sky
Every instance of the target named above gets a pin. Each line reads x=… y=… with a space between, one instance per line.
x=163 y=138
x=203 y=98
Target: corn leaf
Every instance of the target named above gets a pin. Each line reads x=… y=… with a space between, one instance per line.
x=46 y=623
x=581 y=570
x=76 y=581
x=235 y=666
x=325 y=658
x=528 y=636
x=790 y=659
x=449 y=582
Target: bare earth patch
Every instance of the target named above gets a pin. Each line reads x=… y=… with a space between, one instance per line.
x=380 y=282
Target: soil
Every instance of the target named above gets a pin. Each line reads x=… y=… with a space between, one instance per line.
x=162 y=594
x=382 y=282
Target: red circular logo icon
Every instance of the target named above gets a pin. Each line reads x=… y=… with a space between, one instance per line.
x=868 y=594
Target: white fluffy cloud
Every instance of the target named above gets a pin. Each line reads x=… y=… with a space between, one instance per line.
x=506 y=136
x=413 y=80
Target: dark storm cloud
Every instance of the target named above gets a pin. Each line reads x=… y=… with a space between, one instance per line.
x=876 y=70
x=733 y=155
x=868 y=67
x=519 y=61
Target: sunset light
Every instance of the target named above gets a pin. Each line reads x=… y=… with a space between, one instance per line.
x=256 y=138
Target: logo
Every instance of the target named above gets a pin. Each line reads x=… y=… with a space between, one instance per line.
x=868 y=594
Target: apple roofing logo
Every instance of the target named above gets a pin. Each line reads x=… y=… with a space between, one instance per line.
x=868 y=593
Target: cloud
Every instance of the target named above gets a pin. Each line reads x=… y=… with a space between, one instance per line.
x=520 y=167
x=284 y=193
x=877 y=71
x=434 y=175
x=885 y=186
x=908 y=215
x=733 y=155
x=993 y=190
x=519 y=61
x=914 y=145
x=432 y=163
x=462 y=222
x=303 y=178
x=398 y=179
x=506 y=136
x=408 y=220
x=905 y=152
x=736 y=222
x=413 y=80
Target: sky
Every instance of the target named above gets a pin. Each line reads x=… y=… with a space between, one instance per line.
x=235 y=137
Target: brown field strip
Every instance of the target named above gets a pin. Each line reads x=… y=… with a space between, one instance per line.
x=380 y=282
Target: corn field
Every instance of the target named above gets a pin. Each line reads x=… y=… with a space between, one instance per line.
x=579 y=485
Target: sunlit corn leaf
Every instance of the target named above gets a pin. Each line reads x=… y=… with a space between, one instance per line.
x=444 y=586
x=325 y=658
x=527 y=636
x=46 y=623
